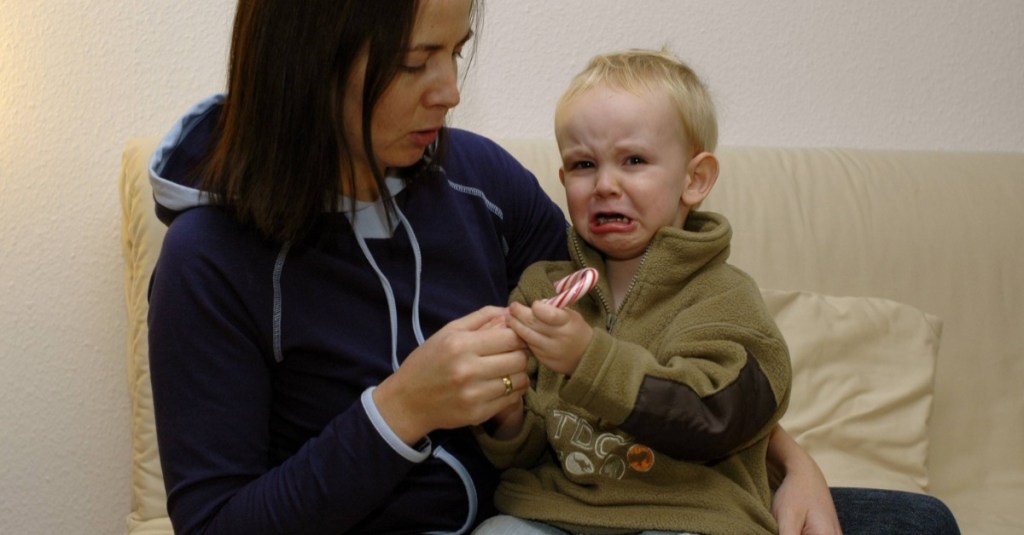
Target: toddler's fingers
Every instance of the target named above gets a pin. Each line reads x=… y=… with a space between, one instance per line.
x=549 y=314
x=521 y=313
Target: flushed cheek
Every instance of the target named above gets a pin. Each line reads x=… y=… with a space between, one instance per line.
x=578 y=212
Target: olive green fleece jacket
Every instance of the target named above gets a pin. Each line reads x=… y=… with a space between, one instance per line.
x=664 y=424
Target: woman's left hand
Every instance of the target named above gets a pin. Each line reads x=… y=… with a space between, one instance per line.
x=802 y=504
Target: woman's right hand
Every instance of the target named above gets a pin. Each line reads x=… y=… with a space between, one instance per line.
x=455 y=378
x=802 y=503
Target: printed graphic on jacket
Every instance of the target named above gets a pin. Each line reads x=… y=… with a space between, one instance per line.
x=584 y=451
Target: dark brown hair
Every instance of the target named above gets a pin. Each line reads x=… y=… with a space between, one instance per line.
x=280 y=147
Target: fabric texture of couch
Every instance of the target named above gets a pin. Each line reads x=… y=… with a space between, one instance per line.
x=896 y=277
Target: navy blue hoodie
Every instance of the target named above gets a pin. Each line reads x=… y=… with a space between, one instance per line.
x=263 y=356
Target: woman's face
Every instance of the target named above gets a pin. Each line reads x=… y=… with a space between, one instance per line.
x=411 y=111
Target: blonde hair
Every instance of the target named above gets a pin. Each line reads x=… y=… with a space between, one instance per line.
x=638 y=70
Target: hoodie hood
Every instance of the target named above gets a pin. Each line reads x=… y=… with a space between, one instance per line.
x=175 y=182
x=177 y=156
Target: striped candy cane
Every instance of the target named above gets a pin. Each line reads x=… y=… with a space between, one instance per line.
x=572 y=287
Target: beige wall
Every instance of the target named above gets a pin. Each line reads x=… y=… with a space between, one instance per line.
x=78 y=77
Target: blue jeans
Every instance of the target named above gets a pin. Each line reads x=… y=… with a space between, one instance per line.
x=861 y=512
x=883 y=512
x=511 y=525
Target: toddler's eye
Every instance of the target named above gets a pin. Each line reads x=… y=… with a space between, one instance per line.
x=635 y=160
x=582 y=164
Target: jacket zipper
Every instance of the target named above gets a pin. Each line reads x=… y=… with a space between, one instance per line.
x=609 y=323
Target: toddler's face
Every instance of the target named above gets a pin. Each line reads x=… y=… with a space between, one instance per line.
x=624 y=167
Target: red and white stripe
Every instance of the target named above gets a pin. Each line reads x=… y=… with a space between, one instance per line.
x=572 y=287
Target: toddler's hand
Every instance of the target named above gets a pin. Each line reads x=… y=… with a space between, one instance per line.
x=558 y=337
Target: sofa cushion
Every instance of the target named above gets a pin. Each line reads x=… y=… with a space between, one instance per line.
x=863 y=372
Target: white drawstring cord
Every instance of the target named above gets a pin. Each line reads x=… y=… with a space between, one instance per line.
x=439 y=452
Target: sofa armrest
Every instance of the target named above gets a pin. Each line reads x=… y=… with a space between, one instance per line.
x=141 y=236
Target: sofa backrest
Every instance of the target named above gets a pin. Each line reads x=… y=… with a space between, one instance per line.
x=938 y=231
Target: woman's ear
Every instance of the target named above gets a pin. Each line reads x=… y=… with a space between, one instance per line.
x=702 y=172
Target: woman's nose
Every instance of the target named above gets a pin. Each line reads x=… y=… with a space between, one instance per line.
x=444 y=90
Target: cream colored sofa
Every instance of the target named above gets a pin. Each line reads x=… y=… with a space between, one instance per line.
x=893 y=275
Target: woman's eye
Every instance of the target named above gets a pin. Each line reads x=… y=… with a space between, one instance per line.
x=415 y=61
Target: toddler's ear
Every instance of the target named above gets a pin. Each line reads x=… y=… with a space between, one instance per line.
x=702 y=172
x=561 y=175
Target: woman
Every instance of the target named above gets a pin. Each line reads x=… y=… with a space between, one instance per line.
x=320 y=314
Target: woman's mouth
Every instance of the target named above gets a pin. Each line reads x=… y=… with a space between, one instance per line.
x=425 y=137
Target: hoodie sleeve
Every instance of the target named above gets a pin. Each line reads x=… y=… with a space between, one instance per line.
x=212 y=394
x=714 y=379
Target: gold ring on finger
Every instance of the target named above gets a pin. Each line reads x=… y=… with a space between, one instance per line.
x=508 y=384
